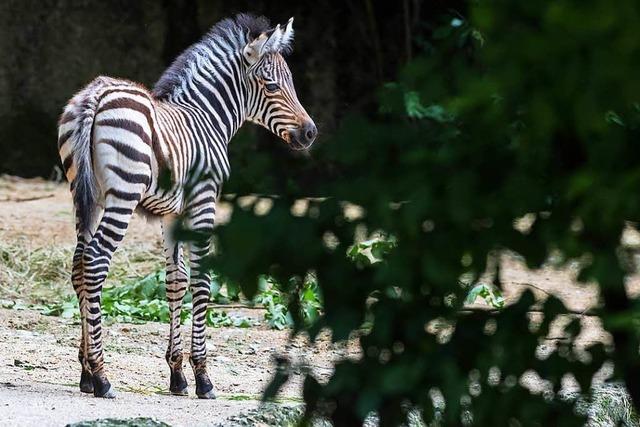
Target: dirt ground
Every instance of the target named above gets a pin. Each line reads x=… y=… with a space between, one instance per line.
x=38 y=366
x=38 y=354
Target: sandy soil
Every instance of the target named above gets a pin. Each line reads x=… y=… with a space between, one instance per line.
x=39 y=369
x=38 y=365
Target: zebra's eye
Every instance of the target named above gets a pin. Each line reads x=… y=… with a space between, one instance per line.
x=271 y=87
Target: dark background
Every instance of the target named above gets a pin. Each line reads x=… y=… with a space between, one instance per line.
x=49 y=49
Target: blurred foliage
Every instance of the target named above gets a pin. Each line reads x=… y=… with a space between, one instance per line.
x=511 y=109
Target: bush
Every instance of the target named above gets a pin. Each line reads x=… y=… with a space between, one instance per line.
x=524 y=108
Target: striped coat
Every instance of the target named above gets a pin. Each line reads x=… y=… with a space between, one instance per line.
x=164 y=151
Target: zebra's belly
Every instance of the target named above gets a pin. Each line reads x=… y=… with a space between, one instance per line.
x=161 y=202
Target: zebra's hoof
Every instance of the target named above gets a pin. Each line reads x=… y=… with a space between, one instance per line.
x=86 y=384
x=110 y=394
x=208 y=395
x=204 y=388
x=102 y=387
x=178 y=386
x=183 y=392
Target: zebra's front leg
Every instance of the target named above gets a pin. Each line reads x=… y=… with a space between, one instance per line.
x=201 y=220
x=200 y=289
x=176 y=281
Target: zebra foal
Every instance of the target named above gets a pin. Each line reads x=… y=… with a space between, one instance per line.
x=117 y=140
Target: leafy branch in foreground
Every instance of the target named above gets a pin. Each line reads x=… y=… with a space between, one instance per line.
x=524 y=127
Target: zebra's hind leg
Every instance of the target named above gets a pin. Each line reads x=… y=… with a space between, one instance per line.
x=176 y=285
x=86 y=384
x=201 y=219
x=96 y=260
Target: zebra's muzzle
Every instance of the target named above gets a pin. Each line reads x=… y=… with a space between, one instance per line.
x=303 y=137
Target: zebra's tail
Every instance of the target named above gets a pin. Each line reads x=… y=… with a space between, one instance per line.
x=85 y=187
x=83 y=182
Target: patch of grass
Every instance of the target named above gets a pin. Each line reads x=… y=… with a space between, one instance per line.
x=147 y=391
x=257 y=397
x=34 y=276
x=219 y=319
x=38 y=276
x=240 y=397
x=40 y=279
x=141 y=301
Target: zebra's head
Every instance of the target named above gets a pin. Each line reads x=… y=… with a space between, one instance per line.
x=273 y=102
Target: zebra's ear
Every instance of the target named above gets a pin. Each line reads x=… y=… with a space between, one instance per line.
x=280 y=39
x=287 y=37
x=276 y=40
x=255 y=48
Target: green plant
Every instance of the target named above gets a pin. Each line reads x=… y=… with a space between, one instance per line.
x=490 y=294
x=67 y=309
x=371 y=251
x=143 y=300
x=219 y=319
x=279 y=302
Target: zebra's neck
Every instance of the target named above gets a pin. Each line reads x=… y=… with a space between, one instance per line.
x=214 y=88
x=211 y=76
x=208 y=85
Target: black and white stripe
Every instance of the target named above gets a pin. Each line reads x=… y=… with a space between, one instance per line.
x=117 y=140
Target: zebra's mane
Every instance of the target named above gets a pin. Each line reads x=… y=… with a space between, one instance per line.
x=228 y=33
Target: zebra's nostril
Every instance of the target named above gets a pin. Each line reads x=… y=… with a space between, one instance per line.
x=311 y=132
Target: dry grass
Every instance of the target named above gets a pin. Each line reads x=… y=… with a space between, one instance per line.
x=42 y=275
